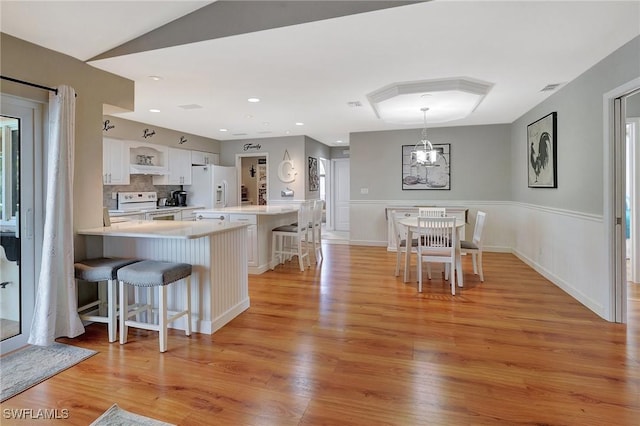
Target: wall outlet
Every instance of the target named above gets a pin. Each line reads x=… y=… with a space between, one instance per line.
x=364 y=190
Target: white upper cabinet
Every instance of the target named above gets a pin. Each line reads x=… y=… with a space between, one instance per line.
x=179 y=168
x=200 y=158
x=115 y=162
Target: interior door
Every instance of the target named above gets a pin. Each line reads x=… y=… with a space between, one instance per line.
x=341 y=193
x=21 y=134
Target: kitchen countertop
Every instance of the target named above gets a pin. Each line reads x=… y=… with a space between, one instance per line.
x=162 y=229
x=257 y=210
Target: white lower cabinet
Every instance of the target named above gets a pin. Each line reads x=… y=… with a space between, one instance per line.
x=189 y=214
x=252 y=235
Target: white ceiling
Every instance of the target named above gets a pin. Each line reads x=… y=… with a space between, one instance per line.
x=309 y=72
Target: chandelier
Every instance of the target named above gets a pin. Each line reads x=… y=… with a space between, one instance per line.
x=423 y=153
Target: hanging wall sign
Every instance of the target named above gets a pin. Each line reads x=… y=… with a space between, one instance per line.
x=108 y=126
x=286 y=170
x=252 y=146
x=146 y=133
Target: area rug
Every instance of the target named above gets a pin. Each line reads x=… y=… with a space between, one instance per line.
x=116 y=416
x=27 y=367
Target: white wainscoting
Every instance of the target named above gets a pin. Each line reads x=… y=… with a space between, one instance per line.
x=568 y=248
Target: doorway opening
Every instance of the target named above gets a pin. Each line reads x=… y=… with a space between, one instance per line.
x=620 y=166
x=253 y=175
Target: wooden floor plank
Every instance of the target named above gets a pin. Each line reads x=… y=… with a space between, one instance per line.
x=348 y=343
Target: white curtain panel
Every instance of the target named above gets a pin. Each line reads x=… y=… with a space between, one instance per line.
x=55 y=313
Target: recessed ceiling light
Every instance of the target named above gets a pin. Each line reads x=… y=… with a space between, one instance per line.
x=299 y=124
x=155 y=77
x=286 y=132
x=154 y=110
x=223 y=130
x=338 y=141
x=265 y=123
x=248 y=116
x=253 y=100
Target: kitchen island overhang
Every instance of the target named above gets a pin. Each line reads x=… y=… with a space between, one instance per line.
x=217 y=251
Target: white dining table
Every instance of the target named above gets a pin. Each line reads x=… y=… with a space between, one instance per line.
x=411 y=222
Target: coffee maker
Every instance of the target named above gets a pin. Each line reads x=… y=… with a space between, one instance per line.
x=179 y=198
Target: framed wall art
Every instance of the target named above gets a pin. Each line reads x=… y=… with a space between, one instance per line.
x=415 y=176
x=542 y=151
x=314 y=178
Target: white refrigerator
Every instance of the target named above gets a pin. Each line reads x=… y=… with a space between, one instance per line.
x=213 y=187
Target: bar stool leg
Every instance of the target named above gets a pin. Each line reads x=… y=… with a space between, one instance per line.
x=188 y=285
x=111 y=309
x=124 y=311
x=162 y=322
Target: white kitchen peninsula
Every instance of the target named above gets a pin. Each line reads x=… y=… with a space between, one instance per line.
x=261 y=220
x=217 y=251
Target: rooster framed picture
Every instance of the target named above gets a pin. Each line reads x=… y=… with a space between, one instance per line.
x=541 y=152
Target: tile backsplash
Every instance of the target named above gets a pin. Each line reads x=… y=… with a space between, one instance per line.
x=137 y=183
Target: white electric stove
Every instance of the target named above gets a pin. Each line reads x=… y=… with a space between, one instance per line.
x=146 y=202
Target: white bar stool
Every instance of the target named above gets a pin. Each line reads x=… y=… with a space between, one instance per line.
x=95 y=271
x=152 y=273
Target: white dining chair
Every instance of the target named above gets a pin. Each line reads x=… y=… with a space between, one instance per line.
x=400 y=233
x=292 y=240
x=474 y=247
x=316 y=228
x=437 y=242
x=433 y=212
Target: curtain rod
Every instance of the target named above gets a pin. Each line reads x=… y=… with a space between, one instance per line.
x=39 y=86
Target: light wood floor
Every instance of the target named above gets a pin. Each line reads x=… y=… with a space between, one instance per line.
x=350 y=344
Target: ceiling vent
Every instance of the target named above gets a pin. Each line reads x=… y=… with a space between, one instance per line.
x=239 y=134
x=190 y=106
x=354 y=104
x=550 y=87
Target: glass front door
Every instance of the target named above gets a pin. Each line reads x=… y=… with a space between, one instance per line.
x=19 y=133
x=9 y=232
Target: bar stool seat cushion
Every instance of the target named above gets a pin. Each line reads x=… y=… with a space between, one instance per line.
x=286 y=228
x=100 y=269
x=151 y=273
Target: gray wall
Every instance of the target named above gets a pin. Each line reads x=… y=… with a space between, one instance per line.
x=580 y=136
x=480 y=157
x=120 y=128
x=275 y=148
x=340 y=152
x=633 y=105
